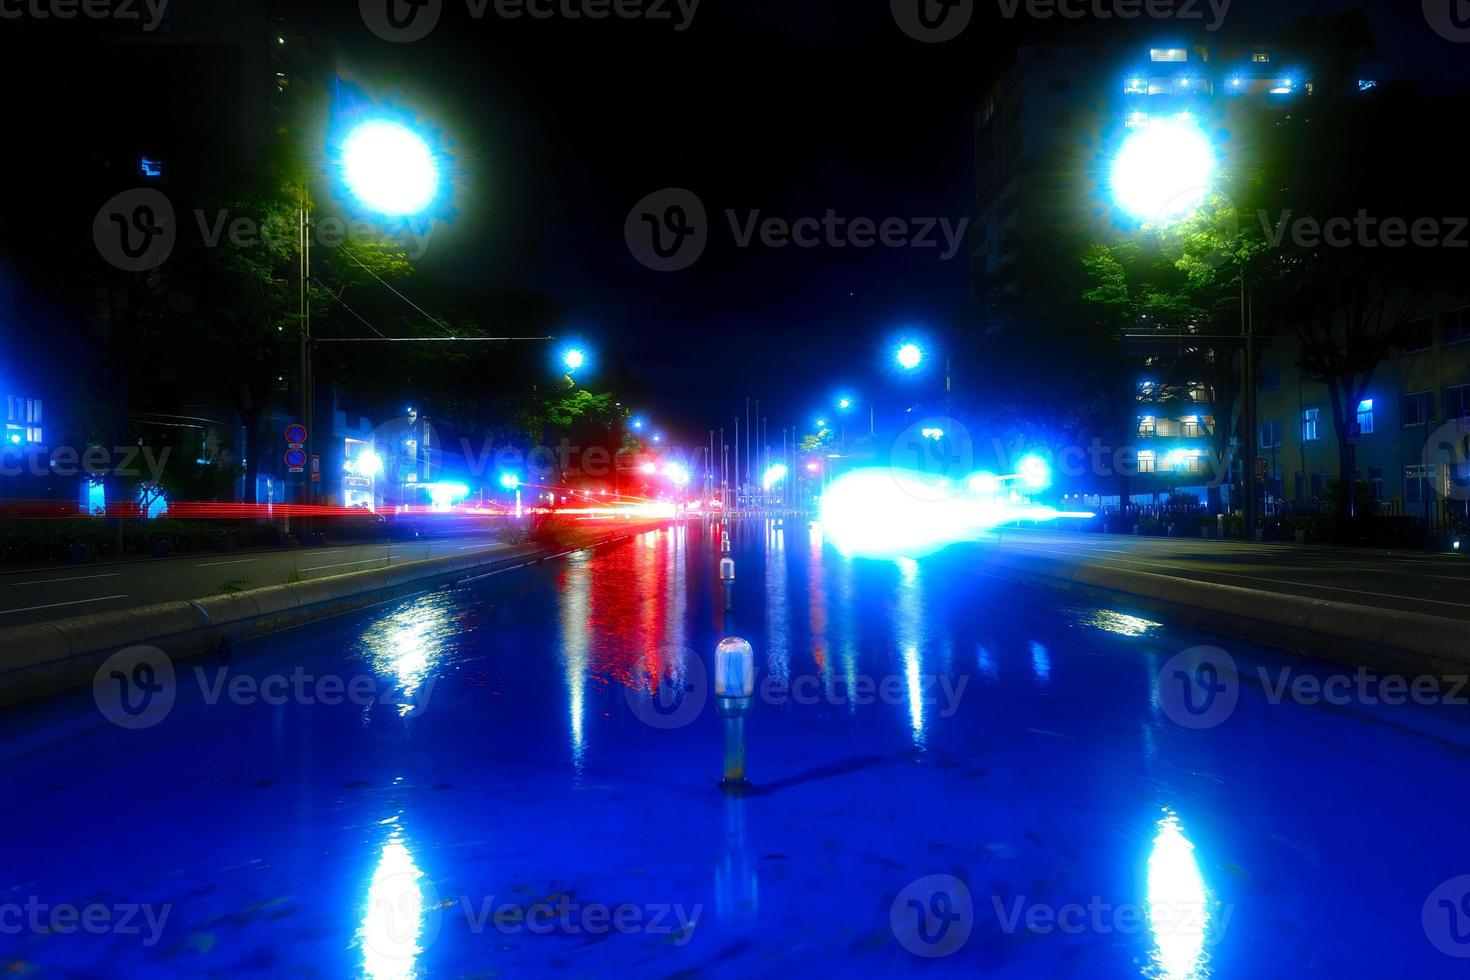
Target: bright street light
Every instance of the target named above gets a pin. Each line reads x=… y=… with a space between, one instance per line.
x=844 y=403
x=821 y=424
x=678 y=475
x=510 y=481
x=1164 y=171
x=774 y=475
x=574 y=359
x=910 y=356
x=390 y=168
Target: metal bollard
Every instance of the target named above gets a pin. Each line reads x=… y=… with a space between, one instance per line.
x=734 y=688
x=727 y=579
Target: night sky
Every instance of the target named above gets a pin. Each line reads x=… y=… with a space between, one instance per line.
x=557 y=128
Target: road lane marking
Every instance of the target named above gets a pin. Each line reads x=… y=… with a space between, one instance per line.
x=237 y=561
x=76 y=578
x=54 y=605
x=343 y=564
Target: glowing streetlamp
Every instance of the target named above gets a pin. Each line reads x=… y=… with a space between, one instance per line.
x=1164 y=170
x=390 y=168
x=513 y=482
x=910 y=356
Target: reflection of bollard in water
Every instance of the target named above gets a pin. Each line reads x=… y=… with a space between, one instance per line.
x=736 y=888
x=725 y=538
x=734 y=687
x=727 y=578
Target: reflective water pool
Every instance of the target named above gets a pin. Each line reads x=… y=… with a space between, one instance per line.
x=949 y=774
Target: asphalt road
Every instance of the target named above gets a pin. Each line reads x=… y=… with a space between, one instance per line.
x=1436 y=585
x=61 y=592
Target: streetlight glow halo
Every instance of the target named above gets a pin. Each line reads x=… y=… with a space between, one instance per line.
x=1164 y=171
x=390 y=168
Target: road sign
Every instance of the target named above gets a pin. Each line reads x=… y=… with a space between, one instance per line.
x=316 y=469
x=296 y=459
x=296 y=434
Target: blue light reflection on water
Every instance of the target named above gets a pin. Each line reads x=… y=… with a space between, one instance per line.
x=527 y=773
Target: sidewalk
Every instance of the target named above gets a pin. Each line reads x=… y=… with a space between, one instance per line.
x=40 y=594
x=1436 y=585
x=1405 y=613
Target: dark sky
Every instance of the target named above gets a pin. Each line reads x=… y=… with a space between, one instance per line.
x=789 y=108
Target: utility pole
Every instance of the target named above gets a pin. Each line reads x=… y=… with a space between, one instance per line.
x=1247 y=326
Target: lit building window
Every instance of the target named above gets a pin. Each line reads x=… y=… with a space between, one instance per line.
x=1261 y=58
x=1311 y=424
x=1366 y=84
x=23 y=421
x=1148 y=461
x=1365 y=417
x=1137 y=120
x=1136 y=86
x=150 y=167
x=1192 y=428
x=1147 y=426
x=1169 y=55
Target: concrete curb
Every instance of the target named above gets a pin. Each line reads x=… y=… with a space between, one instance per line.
x=1384 y=639
x=44 y=658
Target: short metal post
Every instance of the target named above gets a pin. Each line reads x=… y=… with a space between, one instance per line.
x=734 y=689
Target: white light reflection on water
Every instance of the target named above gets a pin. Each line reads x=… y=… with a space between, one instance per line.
x=909 y=632
x=576 y=614
x=393 y=921
x=1040 y=664
x=1116 y=622
x=407 y=647
x=778 y=613
x=1178 y=906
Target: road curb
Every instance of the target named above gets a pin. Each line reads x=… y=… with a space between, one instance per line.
x=1384 y=639
x=44 y=658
